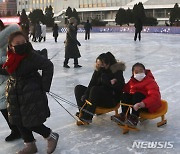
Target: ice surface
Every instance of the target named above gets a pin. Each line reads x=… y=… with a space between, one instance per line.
x=159 y=52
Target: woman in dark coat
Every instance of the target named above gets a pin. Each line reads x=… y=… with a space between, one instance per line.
x=71 y=44
x=4 y=34
x=26 y=92
x=105 y=87
x=55 y=32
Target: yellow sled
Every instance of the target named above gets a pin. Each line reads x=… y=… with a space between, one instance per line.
x=145 y=115
x=99 y=110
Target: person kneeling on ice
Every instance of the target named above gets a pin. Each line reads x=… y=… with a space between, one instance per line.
x=26 y=92
x=142 y=92
x=104 y=88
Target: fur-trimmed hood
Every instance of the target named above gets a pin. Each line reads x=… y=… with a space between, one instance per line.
x=119 y=66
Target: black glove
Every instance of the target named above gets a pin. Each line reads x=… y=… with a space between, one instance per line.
x=83 y=98
x=78 y=43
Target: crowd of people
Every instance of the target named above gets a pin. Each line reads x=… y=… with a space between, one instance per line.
x=23 y=99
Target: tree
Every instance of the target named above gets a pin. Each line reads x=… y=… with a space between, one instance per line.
x=139 y=12
x=129 y=16
x=37 y=15
x=69 y=13
x=121 y=17
x=150 y=21
x=24 y=22
x=174 y=14
x=75 y=15
x=97 y=22
x=24 y=17
x=49 y=20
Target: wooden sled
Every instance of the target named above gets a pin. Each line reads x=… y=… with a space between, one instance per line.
x=99 y=110
x=145 y=115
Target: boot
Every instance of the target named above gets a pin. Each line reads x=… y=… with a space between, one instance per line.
x=132 y=121
x=13 y=136
x=77 y=66
x=30 y=148
x=120 y=119
x=52 y=141
x=66 y=66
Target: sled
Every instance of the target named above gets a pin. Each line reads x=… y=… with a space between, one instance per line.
x=98 y=111
x=146 y=115
x=159 y=113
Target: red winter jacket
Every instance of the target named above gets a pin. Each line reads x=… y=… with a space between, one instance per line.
x=149 y=88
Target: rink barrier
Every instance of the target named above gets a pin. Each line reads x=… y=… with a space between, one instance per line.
x=130 y=29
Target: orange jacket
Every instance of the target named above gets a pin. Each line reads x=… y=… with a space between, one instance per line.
x=149 y=88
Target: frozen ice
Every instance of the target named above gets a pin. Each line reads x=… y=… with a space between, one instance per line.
x=159 y=52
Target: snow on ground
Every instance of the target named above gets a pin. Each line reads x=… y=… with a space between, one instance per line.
x=159 y=52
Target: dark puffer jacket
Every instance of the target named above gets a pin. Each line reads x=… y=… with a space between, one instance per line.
x=26 y=91
x=104 y=77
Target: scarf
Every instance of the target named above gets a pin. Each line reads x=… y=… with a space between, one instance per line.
x=13 y=61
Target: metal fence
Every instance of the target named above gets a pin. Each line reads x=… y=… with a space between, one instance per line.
x=130 y=29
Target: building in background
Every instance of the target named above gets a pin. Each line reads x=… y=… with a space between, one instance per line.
x=8 y=8
x=29 y=5
x=104 y=10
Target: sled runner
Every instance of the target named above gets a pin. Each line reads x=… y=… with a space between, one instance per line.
x=98 y=111
x=146 y=115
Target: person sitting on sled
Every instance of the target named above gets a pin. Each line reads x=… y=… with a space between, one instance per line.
x=142 y=92
x=104 y=88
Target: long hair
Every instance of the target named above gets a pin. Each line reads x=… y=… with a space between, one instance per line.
x=112 y=59
x=104 y=58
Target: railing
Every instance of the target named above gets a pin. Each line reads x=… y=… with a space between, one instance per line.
x=129 y=29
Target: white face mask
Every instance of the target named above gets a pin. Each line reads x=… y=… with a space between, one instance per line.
x=139 y=76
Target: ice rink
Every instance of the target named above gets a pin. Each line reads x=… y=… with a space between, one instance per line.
x=159 y=52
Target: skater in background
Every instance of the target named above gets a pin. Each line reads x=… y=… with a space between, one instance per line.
x=55 y=32
x=71 y=44
x=26 y=92
x=105 y=87
x=4 y=34
x=138 y=28
x=38 y=32
x=142 y=92
x=43 y=34
x=87 y=28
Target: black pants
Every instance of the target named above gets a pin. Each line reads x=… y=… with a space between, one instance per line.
x=67 y=60
x=12 y=127
x=132 y=100
x=87 y=35
x=98 y=96
x=137 y=33
x=55 y=38
x=27 y=134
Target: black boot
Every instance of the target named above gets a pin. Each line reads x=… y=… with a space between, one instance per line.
x=77 y=66
x=66 y=66
x=13 y=136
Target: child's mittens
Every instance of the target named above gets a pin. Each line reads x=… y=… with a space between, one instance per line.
x=137 y=106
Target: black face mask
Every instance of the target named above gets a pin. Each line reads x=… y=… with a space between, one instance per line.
x=23 y=48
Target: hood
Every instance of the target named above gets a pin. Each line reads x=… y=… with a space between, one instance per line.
x=115 y=67
x=149 y=74
x=119 y=66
